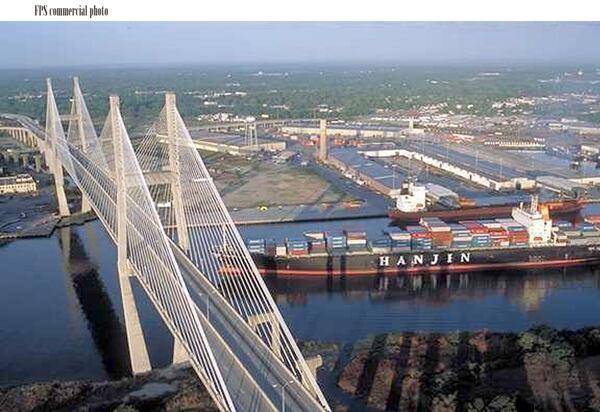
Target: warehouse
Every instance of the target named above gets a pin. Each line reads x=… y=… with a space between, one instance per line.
x=233 y=144
x=22 y=183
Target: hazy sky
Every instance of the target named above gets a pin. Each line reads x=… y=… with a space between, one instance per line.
x=75 y=44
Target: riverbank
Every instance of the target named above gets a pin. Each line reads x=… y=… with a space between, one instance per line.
x=540 y=369
x=46 y=226
x=170 y=389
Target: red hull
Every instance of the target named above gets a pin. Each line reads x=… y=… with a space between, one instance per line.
x=556 y=209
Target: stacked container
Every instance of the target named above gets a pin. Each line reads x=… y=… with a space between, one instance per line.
x=356 y=240
x=336 y=242
x=315 y=235
x=400 y=239
x=517 y=233
x=280 y=249
x=461 y=237
x=441 y=234
x=420 y=238
x=562 y=224
x=381 y=245
x=480 y=235
x=256 y=246
x=317 y=246
x=581 y=235
x=587 y=229
x=271 y=249
x=498 y=235
x=297 y=247
x=594 y=219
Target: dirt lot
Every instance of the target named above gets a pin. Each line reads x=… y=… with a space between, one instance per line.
x=250 y=183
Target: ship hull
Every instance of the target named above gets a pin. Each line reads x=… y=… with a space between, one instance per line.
x=361 y=264
x=559 y=209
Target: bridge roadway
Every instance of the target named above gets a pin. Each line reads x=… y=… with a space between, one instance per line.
x=28 y=123
x=250 y=374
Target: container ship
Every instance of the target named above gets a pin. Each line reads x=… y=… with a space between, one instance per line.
x=411 y=208
x=527 y=240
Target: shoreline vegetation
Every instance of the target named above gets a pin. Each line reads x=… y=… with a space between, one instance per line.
x=542 y=369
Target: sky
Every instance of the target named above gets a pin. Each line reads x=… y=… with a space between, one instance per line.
x=74 y=44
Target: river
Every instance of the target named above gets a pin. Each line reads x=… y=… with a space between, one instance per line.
x=61 y=317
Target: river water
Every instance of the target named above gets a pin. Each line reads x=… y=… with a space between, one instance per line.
x=61 y=316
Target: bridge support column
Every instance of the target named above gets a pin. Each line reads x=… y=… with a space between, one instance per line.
x=255 y=321
x=314 y=363
x=38 y=163
x=138 y=353
x=180 y=355
x=59 y=183
x=55 y=166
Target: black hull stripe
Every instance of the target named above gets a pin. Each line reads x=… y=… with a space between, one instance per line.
x=470 y=267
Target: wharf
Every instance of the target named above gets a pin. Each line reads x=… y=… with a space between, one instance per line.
x=304 y=213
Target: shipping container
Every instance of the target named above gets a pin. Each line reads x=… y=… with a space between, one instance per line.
x=315 y=235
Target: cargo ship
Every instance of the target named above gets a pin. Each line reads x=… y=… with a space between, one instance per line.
x=527 y=240
x=411 y=208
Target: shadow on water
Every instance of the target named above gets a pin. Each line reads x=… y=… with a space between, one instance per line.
x=367 y=376
x=432 y=357
x=107 y=331
x=400 y=369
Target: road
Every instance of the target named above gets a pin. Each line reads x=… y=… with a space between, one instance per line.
x=251 y=373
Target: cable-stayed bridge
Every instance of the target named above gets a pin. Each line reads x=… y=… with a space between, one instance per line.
x=175 y=237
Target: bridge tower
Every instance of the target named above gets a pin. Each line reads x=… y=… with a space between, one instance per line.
x=52 y=160
x=76 y=122
x=138 y=353
x=174 y=142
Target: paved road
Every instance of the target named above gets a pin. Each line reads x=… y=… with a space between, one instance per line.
x=250 y=372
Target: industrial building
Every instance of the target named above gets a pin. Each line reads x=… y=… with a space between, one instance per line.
x=561 y=185
x=365 y=171
x=351 y=130
x=22 y=183
x=234 y=144
x=508 y=179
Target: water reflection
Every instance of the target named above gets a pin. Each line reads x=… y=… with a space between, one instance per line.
x=508 y=300
x=86 y=294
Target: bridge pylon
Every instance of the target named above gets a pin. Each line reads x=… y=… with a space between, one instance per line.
x=173 y=139
x=138 y=353
x=52 y=160
x=77 y=127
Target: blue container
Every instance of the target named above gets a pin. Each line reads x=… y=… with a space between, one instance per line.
x=382 y=242
x=585 y=227
x=563 y=225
